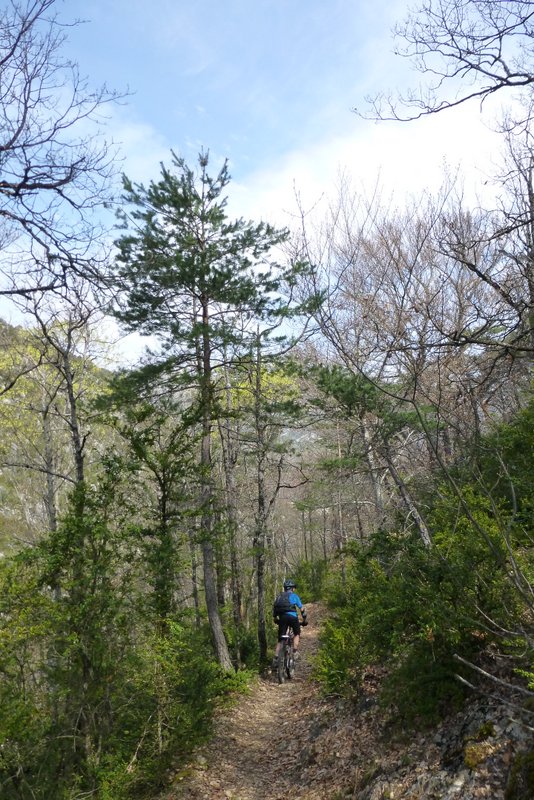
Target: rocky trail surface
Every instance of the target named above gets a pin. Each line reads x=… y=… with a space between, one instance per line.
x=287 y=740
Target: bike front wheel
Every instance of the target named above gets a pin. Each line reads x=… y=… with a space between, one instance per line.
x=290 y=663
x=281 y=668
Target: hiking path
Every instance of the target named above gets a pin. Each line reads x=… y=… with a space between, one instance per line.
x=262 y=748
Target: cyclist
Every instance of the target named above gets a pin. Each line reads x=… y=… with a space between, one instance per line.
x=285 y=612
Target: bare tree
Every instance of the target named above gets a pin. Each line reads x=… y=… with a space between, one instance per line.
x=466 y=49
x=54 y=166
x=45 y=416
x=426 y=305
x=516 y=229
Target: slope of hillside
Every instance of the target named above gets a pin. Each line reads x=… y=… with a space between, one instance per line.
x=288 y=740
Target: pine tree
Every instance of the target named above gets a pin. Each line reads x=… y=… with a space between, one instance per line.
x=202 y=284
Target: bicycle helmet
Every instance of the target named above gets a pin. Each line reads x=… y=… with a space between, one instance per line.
x=289 y=584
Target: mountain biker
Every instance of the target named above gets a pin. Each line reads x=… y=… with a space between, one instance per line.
x=285 y=612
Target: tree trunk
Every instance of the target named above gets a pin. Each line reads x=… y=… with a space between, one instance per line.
x=217 y=632
x=76 y=436
x=210 y=586
x=259 y=551
x=194 y=577
x=206 y=498
x=530 y=262
x=50 y=495
x=261 y=512
x=220 y=567
x=229 y=461
x=325 y=552
x=408 y=502
x=303 y=521
x=374 y=472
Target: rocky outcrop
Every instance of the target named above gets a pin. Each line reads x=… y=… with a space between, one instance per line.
x=484 y=751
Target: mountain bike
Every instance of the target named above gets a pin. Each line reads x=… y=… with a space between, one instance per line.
x=286 y=657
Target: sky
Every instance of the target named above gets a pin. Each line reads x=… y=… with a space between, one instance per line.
x=270 y=85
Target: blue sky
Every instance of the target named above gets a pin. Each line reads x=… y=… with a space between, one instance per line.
x=250 y=79
x=268 y=84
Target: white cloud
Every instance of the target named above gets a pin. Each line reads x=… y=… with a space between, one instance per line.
x=403 y=158
x=142 y=147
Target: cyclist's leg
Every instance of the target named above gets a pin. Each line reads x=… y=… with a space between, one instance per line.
x=295 y=624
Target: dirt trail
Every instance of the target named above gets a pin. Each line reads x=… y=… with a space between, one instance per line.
x=287 y=740
x=262 y=744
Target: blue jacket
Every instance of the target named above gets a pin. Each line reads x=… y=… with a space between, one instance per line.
x=295 y=600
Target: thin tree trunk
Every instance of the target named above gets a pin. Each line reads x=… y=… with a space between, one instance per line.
x=373 y=474
x=259 y=551
x=303 y=520
x=310 y=530
x=220 y=568
x=407 y=499
x=530 y=262
x=210 y=579
x=325 y=553
x=76 y=436
x=229 y=462
x=206 y=530
x=50 y=495
x=194 y=577
x=261 y=512
x=341 y=521
x=361 y=535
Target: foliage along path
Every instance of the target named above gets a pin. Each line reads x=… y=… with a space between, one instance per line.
x=264 y=747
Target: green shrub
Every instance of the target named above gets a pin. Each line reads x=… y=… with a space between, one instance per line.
x=166 y=702
x=146 y=699
x=412 y=607
x=247 y=640
x=339 y=664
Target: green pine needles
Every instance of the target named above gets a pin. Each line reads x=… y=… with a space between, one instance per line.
x=190 y=275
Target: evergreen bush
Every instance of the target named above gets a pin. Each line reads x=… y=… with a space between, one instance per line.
x=412 y=607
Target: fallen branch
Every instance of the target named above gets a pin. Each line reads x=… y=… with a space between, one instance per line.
x=499 y=700
x=491 y=677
